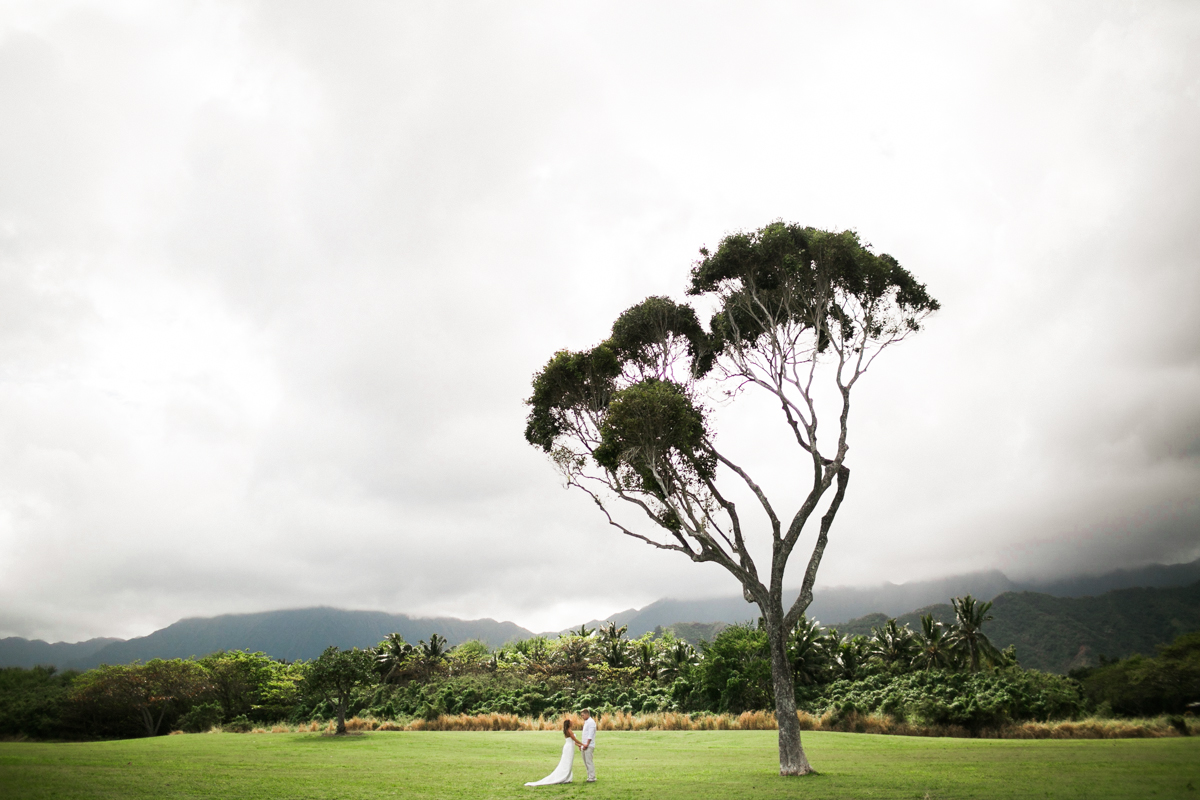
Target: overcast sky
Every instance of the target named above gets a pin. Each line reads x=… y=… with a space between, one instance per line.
x=274 y=278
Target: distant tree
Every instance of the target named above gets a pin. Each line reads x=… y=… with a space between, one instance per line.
x=613 y=645
x=809 y=653
x=435 y=648
x=241 y=680
x=967 y=636
x=467 y=657
x=646 y=657
x=850 y=657
x=33 y=702
x=735 y=673
x=893 y=645
x=535 y=653
x=1142 y=686
x=676 y=659
x=584 y=631
x=149 y=692
x=392 y=656
x=934 y=650
x=335 y=674
x=574 y=653
x=626 y=423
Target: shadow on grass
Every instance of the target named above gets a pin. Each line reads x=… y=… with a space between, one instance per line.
x=329 y=738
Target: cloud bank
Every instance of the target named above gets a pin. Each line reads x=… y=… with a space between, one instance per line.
x=274 y=278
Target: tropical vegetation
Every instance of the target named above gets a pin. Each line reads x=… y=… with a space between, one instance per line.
x=942 y=674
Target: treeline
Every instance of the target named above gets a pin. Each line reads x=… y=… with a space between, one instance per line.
x=941 y=674
x=1141 y=686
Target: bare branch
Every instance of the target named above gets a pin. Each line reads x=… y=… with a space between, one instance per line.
x=814 y=562
x=754 y=487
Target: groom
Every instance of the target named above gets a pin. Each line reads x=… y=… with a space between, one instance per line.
x=588 y=748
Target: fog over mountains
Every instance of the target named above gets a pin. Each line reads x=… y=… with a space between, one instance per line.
x=304 y=633
x=839 y=604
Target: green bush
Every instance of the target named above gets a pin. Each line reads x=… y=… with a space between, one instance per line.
x=239 y=724
x=972 y=700
x=202 y=717
x=735 y=674
x=33 y=702
x=1140 y=686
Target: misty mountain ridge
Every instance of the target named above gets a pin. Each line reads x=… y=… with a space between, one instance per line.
x=292 y=634
x=303 y=633
x=1059 y=634
x=838 y=604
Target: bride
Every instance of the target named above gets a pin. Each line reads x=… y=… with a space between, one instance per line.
x=562 y=773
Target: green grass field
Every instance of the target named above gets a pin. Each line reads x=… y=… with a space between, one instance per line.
x=688 y=764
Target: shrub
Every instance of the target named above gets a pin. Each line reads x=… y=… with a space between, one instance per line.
x=1140 y=686
x=202 y=717
x=239 y=724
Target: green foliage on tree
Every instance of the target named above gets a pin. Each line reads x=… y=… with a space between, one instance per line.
x=893 y=645
x=118 y=700
x=933 y=650
x=253 y=685
x=393 y=656
x=966 y=636
x=735 y=673
x=831 y=673
x=34 y=702
x=809 y=652
x=335 y=674
x=1139 y=686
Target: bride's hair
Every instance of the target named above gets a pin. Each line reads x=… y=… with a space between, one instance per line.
x=566 y=727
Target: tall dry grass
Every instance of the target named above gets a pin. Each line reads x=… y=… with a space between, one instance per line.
x=1091 y=728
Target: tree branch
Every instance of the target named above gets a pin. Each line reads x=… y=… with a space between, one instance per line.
x=814 y=562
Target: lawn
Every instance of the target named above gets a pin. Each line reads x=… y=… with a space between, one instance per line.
x=686 y=764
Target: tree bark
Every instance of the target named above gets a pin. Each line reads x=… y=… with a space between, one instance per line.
x=148 y=721
x=792 y=760
x=341 y=722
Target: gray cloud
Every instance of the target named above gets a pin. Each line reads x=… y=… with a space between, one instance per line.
x=274 y=279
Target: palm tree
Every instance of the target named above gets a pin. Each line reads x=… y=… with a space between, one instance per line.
x=677 y=658
x=573 y=651
x=610 y=632
x=646 y=656
x=893 y=645
x=850 y=655
x=933 y=649
x=808 y=652
x=391 y=654
x=434 y=649
x=613 y=644
x=966 y=635
x=584 y=631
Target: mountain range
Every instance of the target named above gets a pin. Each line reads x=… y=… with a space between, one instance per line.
x=290 y=635
x=1058 y=634
x=838 y=604
x=1049 y=634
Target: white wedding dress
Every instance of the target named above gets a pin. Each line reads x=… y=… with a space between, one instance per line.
x=562 y=773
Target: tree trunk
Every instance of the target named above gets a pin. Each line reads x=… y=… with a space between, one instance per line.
x=148 y=721
x=792 y=760
x=341 y=723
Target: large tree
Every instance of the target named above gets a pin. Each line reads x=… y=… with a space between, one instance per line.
x=335 y=674
x=627 y=421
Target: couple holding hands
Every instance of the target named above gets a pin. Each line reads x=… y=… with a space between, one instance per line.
x=563 y=772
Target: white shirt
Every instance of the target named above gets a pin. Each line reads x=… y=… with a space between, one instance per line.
x=589 y=731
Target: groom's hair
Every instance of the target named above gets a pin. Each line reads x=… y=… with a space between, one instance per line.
x=587 y=711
